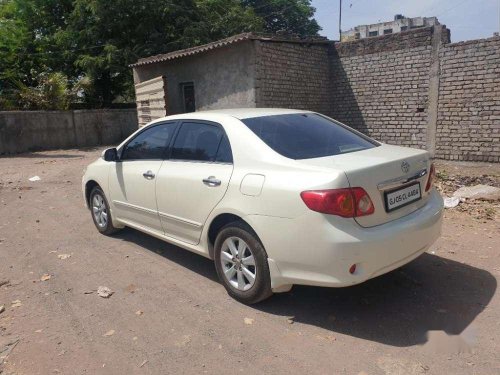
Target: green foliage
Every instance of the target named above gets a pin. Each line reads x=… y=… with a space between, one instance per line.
x=27 y=35
x=293 y=16
x=92 y=42
x=442 y=175
x=14 y=35
x=51 y=93
x=219 y=19
x=28 y=51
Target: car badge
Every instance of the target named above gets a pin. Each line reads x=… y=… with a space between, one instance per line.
x=405 y=167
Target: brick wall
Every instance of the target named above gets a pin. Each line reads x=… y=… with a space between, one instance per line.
x=468 y=126
x=415 y=89
x=293 y=75
x=381 y=86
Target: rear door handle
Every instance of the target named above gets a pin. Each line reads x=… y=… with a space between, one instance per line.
x=211 y=181
x=149 y=175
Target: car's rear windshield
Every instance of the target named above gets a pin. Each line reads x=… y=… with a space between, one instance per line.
x=307 y=135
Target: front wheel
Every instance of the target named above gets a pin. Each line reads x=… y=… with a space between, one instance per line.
x=101 y=214
x=241 y=263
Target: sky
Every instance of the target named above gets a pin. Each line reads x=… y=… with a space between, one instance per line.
x=467 y=19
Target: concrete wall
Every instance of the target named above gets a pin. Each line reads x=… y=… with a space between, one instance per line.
x=468 y=126
x=223 y=78
x=293 y=75
x=22 y=131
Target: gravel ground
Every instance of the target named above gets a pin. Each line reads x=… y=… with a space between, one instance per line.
x=168 y=315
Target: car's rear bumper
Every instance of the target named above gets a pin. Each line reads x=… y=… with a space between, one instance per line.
x=317 y=249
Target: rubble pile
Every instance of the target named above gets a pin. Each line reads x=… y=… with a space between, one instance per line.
x=478 y=196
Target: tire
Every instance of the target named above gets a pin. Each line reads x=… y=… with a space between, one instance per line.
x=100 y=212
x=235 y=269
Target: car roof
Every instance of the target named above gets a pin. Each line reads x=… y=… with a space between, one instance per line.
x=239 y=113
x=243 y=113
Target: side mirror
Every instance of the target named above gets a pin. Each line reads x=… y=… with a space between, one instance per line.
x=110 y=154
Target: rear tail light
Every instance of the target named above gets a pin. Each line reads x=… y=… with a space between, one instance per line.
x=430 y=180
x=364 y=205
x=348 y=202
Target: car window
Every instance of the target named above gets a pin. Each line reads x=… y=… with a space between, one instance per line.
x=197 y=141
x=149 y=144
x=224 y=154
x=306 y=135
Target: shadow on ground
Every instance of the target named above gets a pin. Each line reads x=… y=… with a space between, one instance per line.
x=399 y=308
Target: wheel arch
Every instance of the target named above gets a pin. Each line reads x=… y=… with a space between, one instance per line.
x=89 y=185
x=220 y=221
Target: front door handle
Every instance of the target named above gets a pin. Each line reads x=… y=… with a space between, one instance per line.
x=211 y=181
x=149 y=175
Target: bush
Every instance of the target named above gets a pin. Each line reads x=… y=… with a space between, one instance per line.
x=51 y=93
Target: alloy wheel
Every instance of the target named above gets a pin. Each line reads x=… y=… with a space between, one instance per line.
x=99 y=210
x=238 y=263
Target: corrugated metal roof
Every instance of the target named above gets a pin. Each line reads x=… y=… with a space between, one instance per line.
x=225 y=42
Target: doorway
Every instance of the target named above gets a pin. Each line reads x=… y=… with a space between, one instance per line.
x=188 y=97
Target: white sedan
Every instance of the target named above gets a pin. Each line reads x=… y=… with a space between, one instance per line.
x=275 y=197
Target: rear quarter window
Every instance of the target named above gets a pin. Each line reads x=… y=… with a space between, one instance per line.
x=307 y=135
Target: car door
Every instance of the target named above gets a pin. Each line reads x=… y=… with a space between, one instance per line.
x=132 y=179
x=194 y=179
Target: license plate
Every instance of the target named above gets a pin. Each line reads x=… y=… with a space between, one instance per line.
x=401 y=197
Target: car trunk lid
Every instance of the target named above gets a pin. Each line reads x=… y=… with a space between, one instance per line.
x=381 y=171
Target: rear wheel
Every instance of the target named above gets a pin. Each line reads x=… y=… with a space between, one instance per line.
x=100 y=211
x=241 y=263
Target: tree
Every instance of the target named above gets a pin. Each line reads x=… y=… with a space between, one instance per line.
x=94 y=41
x=28 y=48
x=293 y=16
x=112 y=34
x=218 y=19
x=13 y=36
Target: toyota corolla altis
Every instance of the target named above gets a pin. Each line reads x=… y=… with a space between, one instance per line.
x=275 y=197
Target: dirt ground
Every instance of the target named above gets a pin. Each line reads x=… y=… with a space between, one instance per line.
x=439 y=314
